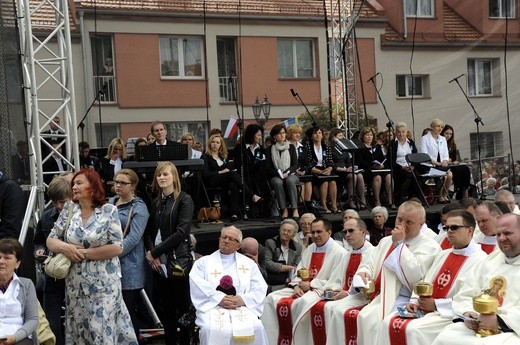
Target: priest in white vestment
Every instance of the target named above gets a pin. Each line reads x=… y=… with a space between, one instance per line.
x=486 y=215
x=312 y=322
x=321 y=258
x=411 y=254
x=447 y=274
x=229 y=315
x=498 y=274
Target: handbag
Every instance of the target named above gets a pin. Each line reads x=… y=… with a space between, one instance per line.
x=57 y=265
x=209 y=214
x=179 y=266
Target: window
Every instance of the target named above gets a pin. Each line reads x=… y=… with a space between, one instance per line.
x=110 y=131
x=491 y=144
x=416 y=86
x=501 y=8
x=421 y=8
x=181 y=57
x=226 y=59
x=103 y=67
x=296 y=58
x=483 y=77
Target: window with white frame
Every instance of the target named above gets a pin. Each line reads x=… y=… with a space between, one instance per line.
x=416 y=86
x=491 y=144
x=296 y=58
x=419 y=8
x=181 y=56
x=483 y=77
x=501 y=8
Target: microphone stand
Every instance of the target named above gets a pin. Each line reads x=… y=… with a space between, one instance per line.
x=240 y=133
x=299 y=99
x=390 y=126
x=478 y=122
x=100 y=92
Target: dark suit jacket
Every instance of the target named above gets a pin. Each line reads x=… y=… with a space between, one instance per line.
x=20 y=167
x=52 y=165
x=310 y=159
x=365 y=157
x=12 y=208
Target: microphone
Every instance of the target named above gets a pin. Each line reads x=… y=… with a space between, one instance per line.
x=372 y=78
x=294 y=94
x=451 y=81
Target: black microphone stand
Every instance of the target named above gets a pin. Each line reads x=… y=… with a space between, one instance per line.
x=299 y=99
x=478 y=122
x=239 y=143
x=100 y=92
x=390 y=126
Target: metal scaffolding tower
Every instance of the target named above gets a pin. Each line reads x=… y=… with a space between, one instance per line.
x=48 y=86
x=343 y=68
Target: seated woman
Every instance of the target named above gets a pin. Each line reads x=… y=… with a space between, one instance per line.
x=304 y=237
x=370 y=158
x=401 y=147
x=319 y=163
x=217 y=173
x=378 y=230
x=460 y=172
x=343 y=168
x=282 y=255
x=436 y=146
x=294 y=133
x=281 y=165
x=19 y=305
x=250 y=154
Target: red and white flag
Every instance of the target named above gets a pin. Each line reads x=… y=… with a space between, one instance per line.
x=231 y=128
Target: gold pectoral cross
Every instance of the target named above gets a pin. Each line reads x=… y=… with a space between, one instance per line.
x=243 y=269
x=216 y=273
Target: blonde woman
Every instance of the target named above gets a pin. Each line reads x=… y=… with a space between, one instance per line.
x=112 y=163
x=169 y=235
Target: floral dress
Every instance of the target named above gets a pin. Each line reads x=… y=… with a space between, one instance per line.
x=95 y=311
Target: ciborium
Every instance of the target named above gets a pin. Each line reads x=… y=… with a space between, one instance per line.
x=423 y=289
x=304 y=274
x=368 y=291
x=487 y=305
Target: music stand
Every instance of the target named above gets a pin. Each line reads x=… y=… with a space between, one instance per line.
x=160 y=153
x=351 y=146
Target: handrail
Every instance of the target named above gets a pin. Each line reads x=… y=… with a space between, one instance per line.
x=28 y=214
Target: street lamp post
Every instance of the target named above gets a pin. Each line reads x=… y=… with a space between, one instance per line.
x=258 y=109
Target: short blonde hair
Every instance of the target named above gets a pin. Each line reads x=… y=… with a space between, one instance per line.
x=436 y=122
x=293 y=129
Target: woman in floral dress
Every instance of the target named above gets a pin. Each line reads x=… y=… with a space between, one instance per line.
x=95 y=311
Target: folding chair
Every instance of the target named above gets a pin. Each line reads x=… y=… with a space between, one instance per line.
x=423 y=171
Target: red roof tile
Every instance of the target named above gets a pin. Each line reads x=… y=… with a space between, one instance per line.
x=456 y=28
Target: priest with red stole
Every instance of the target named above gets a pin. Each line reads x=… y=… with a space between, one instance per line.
x=486 y=215
x=497 y=275
x=396 y=264
x=447 y=274
x=312 y=324
x=321 y=259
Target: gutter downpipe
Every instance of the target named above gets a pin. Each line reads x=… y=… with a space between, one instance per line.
x=405 y=21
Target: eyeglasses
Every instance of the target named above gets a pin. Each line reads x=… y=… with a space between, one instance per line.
x=229 y=238
x=122 y=183
x=453 y=227
x=349 y=231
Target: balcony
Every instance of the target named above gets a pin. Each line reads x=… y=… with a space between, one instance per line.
x=106 y=84
x=227 y=85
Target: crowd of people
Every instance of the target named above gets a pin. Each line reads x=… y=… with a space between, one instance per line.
x=124 y=232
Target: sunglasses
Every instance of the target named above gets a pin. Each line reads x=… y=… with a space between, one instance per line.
x=349 y=231
x=453 y=227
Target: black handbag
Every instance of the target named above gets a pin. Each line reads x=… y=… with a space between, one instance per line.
x=179 y=263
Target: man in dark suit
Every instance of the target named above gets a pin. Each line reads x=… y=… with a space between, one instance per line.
x=160 y=133
x=54 y=165
x=20 y=163
x=54 y=129
x=12 y=207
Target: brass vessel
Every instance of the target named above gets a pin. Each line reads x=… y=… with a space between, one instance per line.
x=485 y=304
x=303 y=274
x=423 y=289
x=367 y=292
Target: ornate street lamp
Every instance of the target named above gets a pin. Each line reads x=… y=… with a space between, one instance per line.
x=258 y=109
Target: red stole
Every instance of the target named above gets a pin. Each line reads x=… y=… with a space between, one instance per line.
x=350 y=319
x=377 y=282
x=317 y=311
x=488 y=248
x=442 y=284
x=283 y=307
x=445 y=244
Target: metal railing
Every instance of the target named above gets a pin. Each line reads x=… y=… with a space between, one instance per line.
x=107 y=85
x=226 y=86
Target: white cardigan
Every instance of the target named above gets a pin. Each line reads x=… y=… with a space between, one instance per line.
x=434 y=147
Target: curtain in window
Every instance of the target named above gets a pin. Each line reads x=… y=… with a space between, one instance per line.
x=423 y=7
x=304 y=59
x=285 y=59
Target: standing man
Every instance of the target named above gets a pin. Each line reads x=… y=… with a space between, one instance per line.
x=285 y=307
x=160 y=133
x=447 y=274
x=487 y=214
x=499 y=269
x=12 y=207
x=228 y=314
x=53 y=135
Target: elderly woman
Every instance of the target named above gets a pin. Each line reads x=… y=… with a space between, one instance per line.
x=304 y=237
x=282 y=255
x=401 y=147
x=347 y=214
x=92 y=242
x=18 y=302
x=378 y=230
x=281 y=164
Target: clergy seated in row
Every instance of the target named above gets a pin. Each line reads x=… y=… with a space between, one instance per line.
x=497 y=275
x=396 y=264
x=442 y=235
x=445 y=277
x=228 y=291
x=487 y=214
x=319 y=263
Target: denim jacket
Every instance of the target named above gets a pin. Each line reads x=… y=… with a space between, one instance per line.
x=132 y=258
